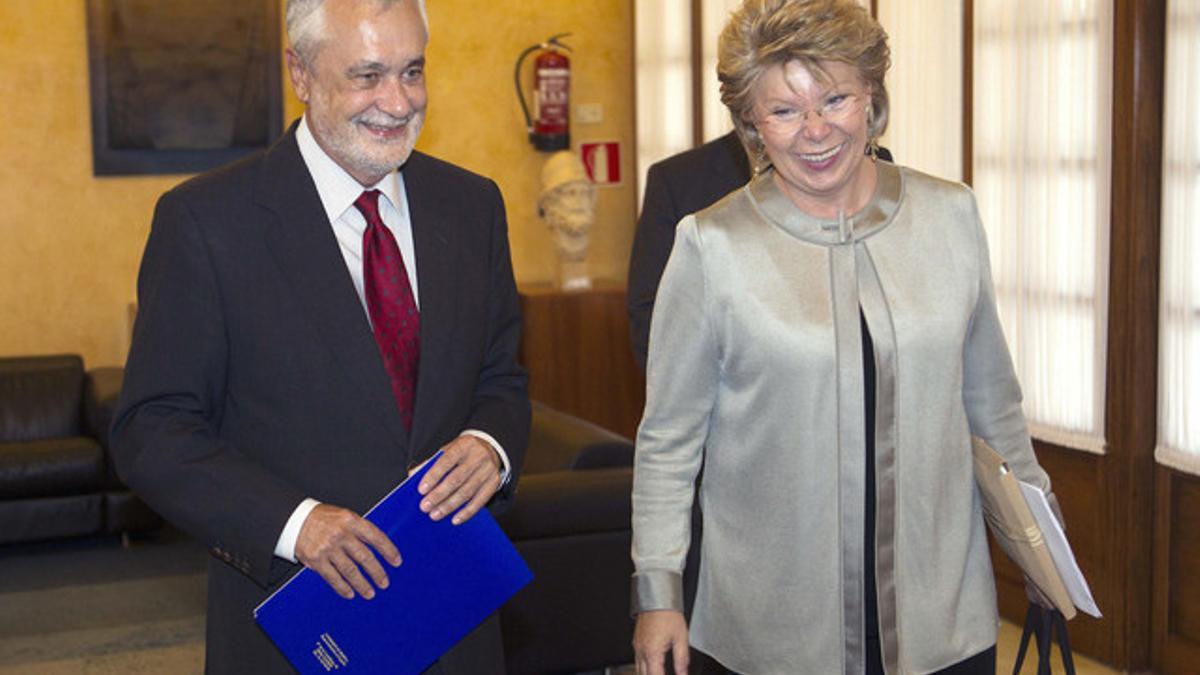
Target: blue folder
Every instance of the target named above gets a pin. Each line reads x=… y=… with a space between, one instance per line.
x=452 y=578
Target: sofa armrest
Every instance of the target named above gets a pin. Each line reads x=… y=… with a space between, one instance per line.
x=101 y=389
x=563 y=503
x=558 y=440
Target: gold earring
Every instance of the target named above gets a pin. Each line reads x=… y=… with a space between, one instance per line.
x=761 y=163
x=872 y=149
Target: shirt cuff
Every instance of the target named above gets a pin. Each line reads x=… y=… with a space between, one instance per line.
x=656 y=589
x=485 y=436
x=286 y=546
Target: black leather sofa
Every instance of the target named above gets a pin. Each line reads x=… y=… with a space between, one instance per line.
x=571 y=523
x=56 y=479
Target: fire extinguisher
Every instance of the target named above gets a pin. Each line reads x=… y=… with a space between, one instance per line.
x=549 y=129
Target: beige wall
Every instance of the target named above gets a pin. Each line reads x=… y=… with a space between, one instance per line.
x=70 y=243
x=475 y=119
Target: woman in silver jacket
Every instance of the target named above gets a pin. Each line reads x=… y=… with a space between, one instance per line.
x=825 y=341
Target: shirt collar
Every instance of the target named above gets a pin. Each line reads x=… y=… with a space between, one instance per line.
x=337 y=188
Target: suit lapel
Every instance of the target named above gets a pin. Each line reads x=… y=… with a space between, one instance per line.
x=305 y=249
x=436 y=286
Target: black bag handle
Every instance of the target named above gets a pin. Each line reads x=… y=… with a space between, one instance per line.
x=1043 y=624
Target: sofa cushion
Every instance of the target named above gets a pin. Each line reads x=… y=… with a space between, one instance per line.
x=49 y=468
x=40 y=397
x=34 y=519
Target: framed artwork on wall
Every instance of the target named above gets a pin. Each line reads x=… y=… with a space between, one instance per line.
x=180 y=86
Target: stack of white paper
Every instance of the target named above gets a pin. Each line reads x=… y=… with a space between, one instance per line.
x=1060 y=550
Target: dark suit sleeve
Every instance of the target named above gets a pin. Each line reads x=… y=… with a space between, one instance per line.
x=500 y=405
x=164 y=435
x=651 y=247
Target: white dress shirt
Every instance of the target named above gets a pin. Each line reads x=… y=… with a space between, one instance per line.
x=338 y=190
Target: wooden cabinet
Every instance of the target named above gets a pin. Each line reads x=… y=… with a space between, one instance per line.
x=575 y=345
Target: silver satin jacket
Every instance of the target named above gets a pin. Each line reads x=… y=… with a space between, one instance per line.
x=755 y=368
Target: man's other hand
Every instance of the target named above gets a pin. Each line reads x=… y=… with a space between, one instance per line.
x=340 y=545
x=468 y=472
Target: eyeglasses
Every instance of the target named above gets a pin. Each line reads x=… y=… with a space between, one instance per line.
x=835 y=109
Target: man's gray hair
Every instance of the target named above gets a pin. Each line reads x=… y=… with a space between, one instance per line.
x=306 y=24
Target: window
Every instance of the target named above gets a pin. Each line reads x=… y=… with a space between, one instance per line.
x=1179 y=312
x=1041 y=120
x=714 y=14
x=925 y=84
x=664 y=81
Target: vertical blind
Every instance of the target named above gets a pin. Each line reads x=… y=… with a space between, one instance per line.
x=663 y=81
x=1179 y=312
x=1041 y=169
x=925 y=84
x=713 y=16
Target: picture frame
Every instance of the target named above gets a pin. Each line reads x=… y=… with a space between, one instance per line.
x=179 y=86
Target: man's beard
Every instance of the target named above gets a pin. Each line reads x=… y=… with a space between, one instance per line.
x=367 y=156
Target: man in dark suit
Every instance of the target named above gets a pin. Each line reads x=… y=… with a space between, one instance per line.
x=312 y=324
x=676 y=186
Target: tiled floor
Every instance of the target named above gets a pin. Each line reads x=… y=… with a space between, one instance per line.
x=98 y=609
x=188 y=657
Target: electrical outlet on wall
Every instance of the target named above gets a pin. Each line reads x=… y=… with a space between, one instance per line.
x=589 y=113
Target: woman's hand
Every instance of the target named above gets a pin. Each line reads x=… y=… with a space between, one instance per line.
x=658 y=633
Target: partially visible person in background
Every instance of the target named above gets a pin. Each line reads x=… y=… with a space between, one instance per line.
x=676 y=186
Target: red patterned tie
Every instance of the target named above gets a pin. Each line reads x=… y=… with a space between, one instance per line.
x=391 y=304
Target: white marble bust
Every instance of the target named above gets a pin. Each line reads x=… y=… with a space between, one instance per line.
x=567 y=203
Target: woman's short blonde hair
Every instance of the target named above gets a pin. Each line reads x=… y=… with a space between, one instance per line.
x=764 y=33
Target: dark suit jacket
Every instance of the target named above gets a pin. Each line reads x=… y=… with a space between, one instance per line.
x=254 y=379
x=676 y=186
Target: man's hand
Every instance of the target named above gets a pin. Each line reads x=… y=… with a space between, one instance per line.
x=657 y=634
x=468 y=472
x=340 y=545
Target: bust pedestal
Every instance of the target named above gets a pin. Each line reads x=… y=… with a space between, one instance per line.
x=575 y=345
x=573 y=276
